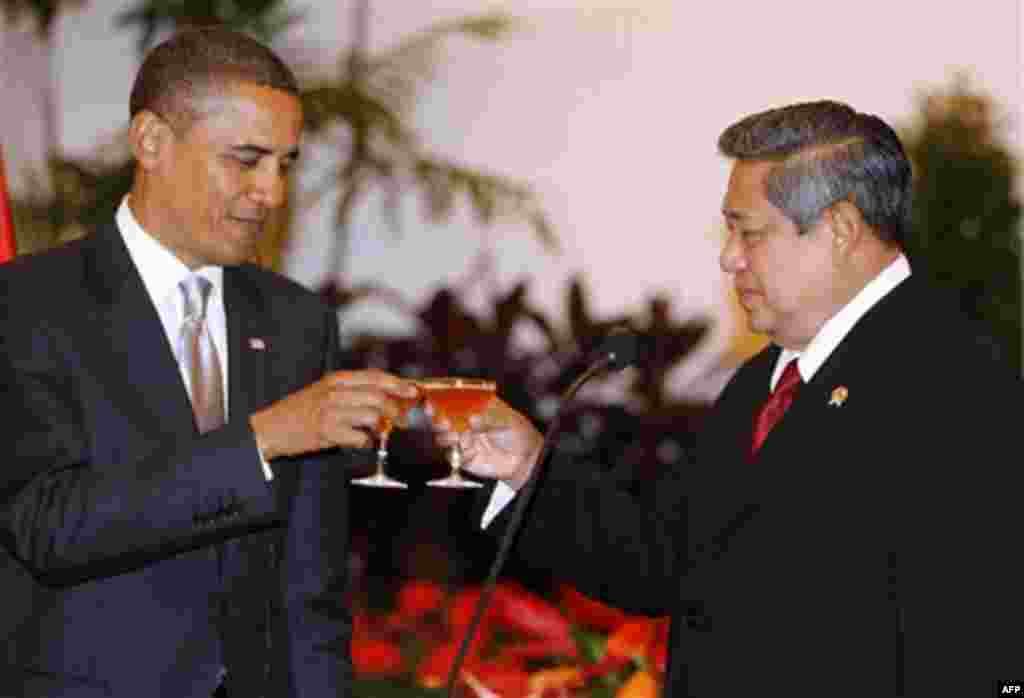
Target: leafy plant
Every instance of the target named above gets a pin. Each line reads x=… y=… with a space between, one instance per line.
x=642 y=430
x=362 y=114
x=263 y=19
x=372 y=96
x=527 y=645
x=967 y=212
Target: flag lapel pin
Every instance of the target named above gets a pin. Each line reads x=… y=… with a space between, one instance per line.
x=839 y=396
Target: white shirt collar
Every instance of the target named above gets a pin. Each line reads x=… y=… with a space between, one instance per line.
x=160 y=269
x=839 y=325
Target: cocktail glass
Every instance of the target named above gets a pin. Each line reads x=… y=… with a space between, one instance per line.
x=384 y=427
x=456 y=399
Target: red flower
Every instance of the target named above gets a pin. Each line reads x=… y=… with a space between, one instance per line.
x=434 y=668
x=643 y=639
x=502 y=678
x=373 y=657
x=641 y=684
x=417 y=598
x=589 y=612
x=632 y=639
x=535 y=618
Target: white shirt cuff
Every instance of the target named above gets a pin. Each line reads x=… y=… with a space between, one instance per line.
x=267 y=472
x=500 y=497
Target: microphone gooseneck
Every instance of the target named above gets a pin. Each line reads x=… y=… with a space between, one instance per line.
x=618 y=350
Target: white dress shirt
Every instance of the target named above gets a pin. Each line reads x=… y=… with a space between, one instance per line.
x=161 y=272
x=808 y=361
x=839 y=325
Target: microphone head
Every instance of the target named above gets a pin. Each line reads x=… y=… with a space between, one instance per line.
x=620 y=349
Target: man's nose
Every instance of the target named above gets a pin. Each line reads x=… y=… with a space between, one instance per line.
x=732 y=257
x=269 y=187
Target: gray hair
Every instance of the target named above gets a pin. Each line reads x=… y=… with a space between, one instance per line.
x=827 y=152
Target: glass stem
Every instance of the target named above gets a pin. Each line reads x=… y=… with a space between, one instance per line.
x=382 y=451
x=456 y=459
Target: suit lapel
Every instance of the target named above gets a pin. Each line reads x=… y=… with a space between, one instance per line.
x=753 y=387
x=249 y=348
x=127 y=336
x=855 y=365
x=253 y=338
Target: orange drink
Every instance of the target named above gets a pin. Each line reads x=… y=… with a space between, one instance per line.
x=456 y=399
x=384 y=427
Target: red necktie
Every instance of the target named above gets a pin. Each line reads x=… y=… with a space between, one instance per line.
x=776 y=404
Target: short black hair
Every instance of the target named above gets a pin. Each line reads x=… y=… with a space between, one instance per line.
x=197 y=61
x=827 y=152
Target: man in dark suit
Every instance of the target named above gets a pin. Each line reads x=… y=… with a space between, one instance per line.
x=173 y=487
x=796 y=561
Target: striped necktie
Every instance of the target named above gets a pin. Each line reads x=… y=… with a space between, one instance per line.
x=199 y=356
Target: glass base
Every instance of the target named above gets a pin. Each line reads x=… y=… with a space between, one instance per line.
x=380 y=480
x=454 y=481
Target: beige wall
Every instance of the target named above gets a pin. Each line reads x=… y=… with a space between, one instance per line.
x=611 y=109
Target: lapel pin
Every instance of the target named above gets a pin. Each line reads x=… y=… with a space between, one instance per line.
x=257 y=344
x=839 y=396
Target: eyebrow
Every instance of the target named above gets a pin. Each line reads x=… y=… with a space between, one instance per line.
x=734 y=215
x=262 y=152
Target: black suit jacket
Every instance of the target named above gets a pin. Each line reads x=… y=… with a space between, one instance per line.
x=869 y=550
x=138 y=557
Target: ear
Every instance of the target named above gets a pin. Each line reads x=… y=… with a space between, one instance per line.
x=847 y=226
x=149 y=137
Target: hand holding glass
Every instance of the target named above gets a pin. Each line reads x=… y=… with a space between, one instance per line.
x=384 y=426
x=456 y=400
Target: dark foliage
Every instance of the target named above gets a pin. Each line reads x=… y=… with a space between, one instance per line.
x=425 y=533
x=967 y=211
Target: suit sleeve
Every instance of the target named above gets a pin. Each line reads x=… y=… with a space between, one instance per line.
x=960 y=566
x=69 y=519
x=581 y=528
x=316 y=558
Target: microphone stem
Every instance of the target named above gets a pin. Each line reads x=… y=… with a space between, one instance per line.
x=523 y=497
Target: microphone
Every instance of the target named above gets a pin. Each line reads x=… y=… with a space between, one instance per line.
x=619 y=349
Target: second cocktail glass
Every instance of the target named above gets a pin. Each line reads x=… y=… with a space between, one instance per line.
x=456 y=399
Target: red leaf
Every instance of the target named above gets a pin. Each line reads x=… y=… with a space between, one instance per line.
x=589 y=612
x=418 y=597
x=506 y=680
x=534 y=617
x=376 y=657
x=434 y=668
x=634 y=638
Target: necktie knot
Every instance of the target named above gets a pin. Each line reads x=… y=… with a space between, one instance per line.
x=776 y=404
x=789 y=381
x=195 y=292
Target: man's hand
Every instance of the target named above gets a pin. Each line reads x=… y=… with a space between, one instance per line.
x=503 y=444
x=341 y=409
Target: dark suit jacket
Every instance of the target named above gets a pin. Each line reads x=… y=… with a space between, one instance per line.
x=868 y=539
x=136 y=556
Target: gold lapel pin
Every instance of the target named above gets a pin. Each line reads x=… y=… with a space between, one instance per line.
x=839 y=396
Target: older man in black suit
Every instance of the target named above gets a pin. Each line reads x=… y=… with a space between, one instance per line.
x=843 y=528
x=173 y=485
